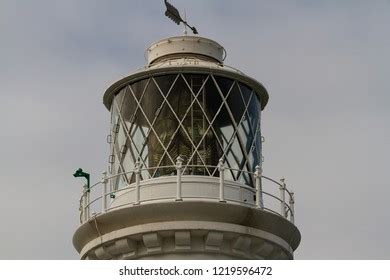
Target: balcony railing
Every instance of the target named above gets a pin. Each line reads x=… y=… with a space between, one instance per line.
x=266 y=194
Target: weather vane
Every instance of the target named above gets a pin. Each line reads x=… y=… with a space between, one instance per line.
x=174 y=15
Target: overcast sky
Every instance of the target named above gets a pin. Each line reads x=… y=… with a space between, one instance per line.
x=325 y=65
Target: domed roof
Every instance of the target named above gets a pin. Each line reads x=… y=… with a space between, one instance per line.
x=186 y=54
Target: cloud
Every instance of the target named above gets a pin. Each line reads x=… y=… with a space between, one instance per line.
x=325 y=66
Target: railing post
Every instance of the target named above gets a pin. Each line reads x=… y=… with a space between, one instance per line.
x=137 y=182
x=179 y=166
x=86 y=203
x=292 y=214
x=81 y=207
x=282 y=197
x=221 y=168
x=105 y=191
x=259 y=188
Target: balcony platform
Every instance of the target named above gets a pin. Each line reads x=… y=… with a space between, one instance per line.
x=198 y=226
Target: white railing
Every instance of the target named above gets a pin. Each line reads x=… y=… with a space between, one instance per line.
x=267 y=193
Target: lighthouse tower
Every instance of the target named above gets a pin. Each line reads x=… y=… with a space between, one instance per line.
x=185 y=178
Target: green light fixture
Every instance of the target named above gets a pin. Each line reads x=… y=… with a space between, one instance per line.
x=80 y=173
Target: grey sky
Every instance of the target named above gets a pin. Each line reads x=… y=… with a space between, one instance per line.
x=324 y=63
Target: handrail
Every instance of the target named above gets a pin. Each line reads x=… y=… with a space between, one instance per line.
x=286 y=208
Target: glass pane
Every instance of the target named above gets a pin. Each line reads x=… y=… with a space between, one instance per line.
x=245 y=135
x=151 y=101
x=156 y=151
x=128 y=165
x=180 y=146
x=121 y=137
x=165 y=82
x=195 y=123
x=129 y=107
x=138 y=88
x=213 y=99
x=145 y=131
x=226 y=133
x=113 y=113
x=254 y=159
x=246 y=92
x=208 y=153
x=223 y=123
x=146 y=174
x=138 y=139
x=235 y=156
x=116 y=163
x=257 y=143
x=179 y=99
x=236 y=103
x=120 y=180
x=224 y=84
x=119 y=97
x=254 y=112
x=244 y=177
x=229 y=175
x=238 y=154
x=165 y=171
x=212 y=149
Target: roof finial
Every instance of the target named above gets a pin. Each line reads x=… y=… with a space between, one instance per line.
x=185 y=26
x=174 y=15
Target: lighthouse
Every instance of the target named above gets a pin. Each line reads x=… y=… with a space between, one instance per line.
x=184 y=178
